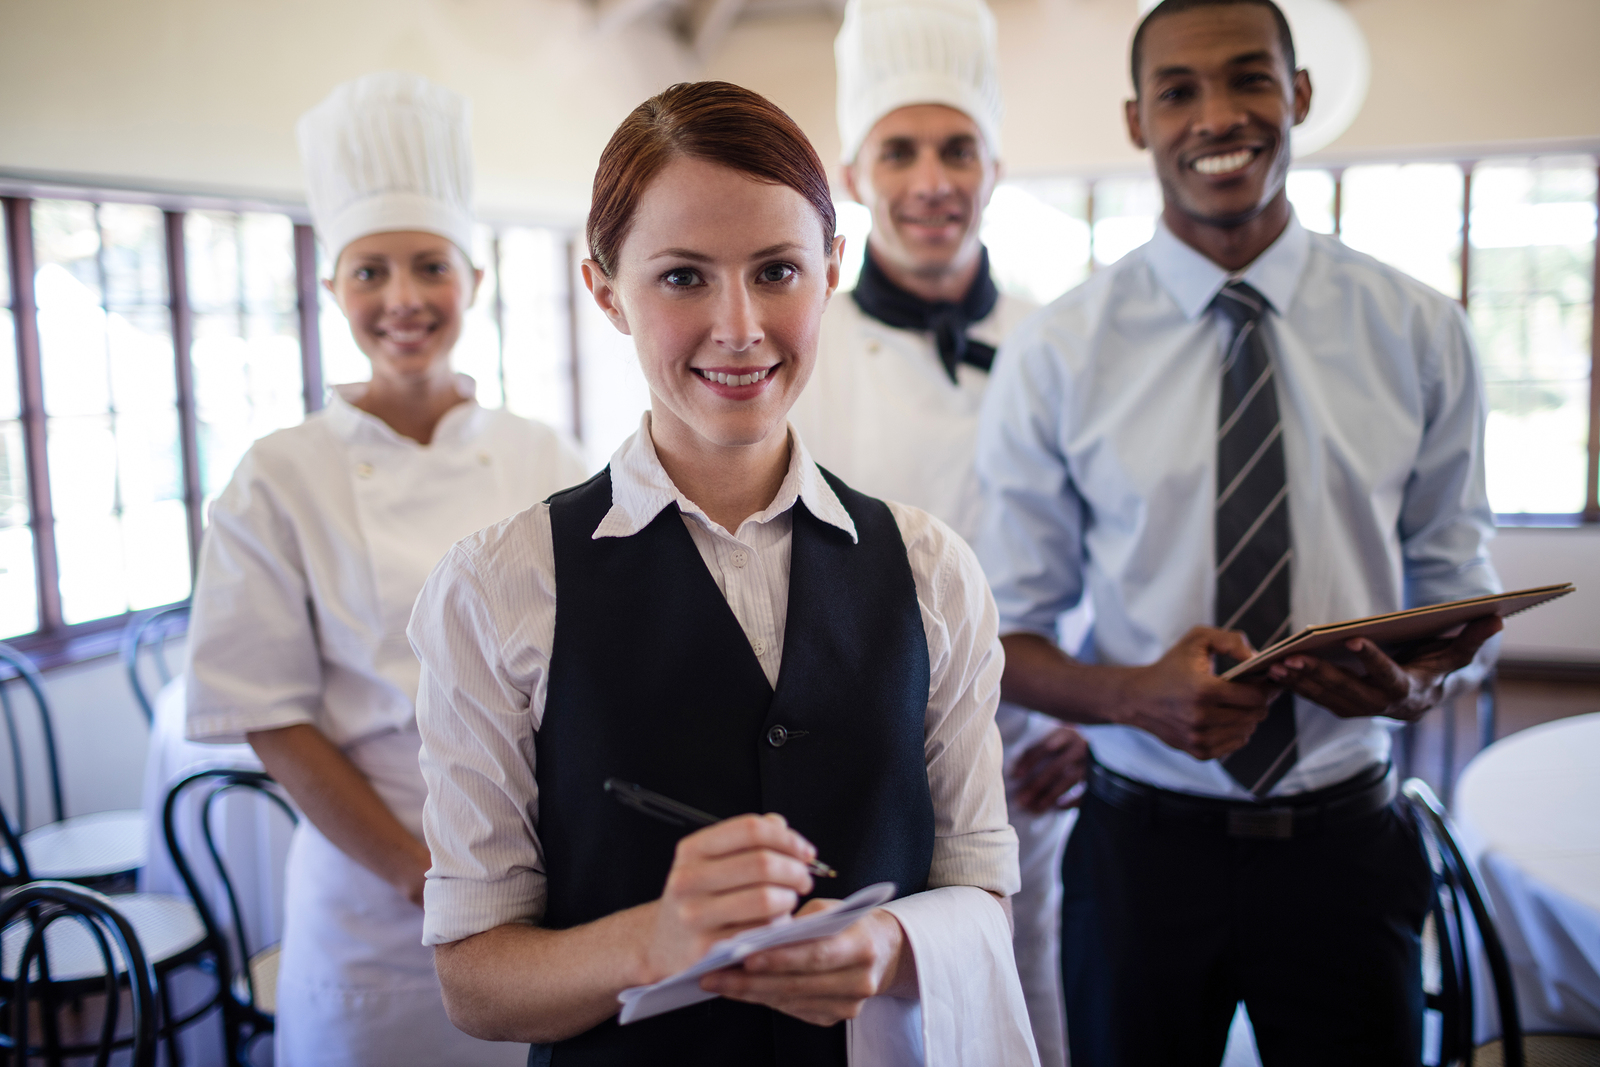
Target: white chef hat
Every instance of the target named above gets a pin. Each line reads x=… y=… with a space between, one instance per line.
x=896 y=53
x=388 y=152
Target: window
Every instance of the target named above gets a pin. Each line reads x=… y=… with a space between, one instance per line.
x=1531 y=296
x=1409 y=216
x=142 y=352
x=245 y=328
x=110 y=406
x=19 y=605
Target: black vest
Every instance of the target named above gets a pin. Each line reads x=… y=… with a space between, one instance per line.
x=652 y=680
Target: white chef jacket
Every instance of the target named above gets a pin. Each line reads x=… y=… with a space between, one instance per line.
x=484 y=629
x=316 y=551
x=881 y=413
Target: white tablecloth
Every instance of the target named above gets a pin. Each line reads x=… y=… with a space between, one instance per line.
x=251 y=835
x=1528 y=813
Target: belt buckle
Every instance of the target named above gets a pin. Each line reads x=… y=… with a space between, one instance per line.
x=1277 y=823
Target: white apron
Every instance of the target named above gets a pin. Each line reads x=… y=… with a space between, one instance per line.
x=356 y=984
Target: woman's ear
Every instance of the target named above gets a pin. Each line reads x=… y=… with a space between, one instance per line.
x=605 y=295
x=835 y=257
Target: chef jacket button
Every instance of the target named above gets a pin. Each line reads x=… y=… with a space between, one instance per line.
x=740 y=558
x=364 y=470
x=777 y=736
x=483 y=459
x=872 y=347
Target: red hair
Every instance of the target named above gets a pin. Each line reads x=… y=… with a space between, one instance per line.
x=714 y=121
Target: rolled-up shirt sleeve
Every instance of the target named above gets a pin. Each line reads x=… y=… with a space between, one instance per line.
x=1030 y=534
x=253 y=661
x=974 y=843
x=485 y=652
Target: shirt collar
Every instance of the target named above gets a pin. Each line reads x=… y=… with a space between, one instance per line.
x=1193 y=280
x=641 y=489
x=460 y=424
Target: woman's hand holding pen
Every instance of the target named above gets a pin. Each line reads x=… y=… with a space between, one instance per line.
x=737 y=874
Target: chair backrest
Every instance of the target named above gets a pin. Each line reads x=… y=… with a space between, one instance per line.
x=20 y=685
x=148 y=633
x=204 y=790
x=40 y=905
x=13 y=862
x=1458 y=900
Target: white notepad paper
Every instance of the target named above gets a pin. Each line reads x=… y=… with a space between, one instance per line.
x=683 y=988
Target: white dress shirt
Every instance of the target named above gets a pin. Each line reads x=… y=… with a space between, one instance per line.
x=1098 y=457
x=316 y=551
x=484 y=627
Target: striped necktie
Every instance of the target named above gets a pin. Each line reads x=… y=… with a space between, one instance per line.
x=1254 y=551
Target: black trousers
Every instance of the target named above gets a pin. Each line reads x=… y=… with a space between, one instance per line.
x=1164 y=930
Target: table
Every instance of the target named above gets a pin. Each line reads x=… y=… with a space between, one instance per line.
x=1527 y=810
x=252 y=838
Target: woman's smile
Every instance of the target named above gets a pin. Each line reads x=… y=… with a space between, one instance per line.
x=736 y=383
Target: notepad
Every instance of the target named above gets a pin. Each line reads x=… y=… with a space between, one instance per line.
x=1401 y=634
x=683 y=988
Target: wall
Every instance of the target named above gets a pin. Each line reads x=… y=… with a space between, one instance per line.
x=1564 y=630
x=101 y=739
x=206 y=92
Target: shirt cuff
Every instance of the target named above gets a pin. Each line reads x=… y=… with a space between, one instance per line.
x=986 y=860
x=230 y=727
x=457 y=908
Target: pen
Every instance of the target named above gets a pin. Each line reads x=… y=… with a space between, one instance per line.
x=671 y=811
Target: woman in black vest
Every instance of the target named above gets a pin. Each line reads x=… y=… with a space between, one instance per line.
x=738 y=630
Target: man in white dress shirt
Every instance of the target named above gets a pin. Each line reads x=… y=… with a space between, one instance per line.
x=892 y=407
x=1240 y=429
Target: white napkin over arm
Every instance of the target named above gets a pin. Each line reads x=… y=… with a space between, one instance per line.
x=971 y=1012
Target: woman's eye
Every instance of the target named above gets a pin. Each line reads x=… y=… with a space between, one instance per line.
x=365 y=274
x=681 y=278
x=777 y=272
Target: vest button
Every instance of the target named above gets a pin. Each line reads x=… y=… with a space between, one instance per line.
x=777 y=736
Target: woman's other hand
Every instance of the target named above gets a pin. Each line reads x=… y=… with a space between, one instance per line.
x=741 y=873
x=827 y=980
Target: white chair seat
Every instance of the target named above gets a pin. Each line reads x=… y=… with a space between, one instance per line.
x=166 y=927
x=87 y=846
x=264 y=972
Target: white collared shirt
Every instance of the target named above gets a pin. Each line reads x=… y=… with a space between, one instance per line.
x=1098 y=454
x=484 y=628
x=316 y=551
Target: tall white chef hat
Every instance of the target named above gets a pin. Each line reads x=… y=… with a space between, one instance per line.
x=388 y=152
x=894 y=53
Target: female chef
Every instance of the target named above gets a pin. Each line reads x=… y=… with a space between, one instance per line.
x=738 y=630
x=314 y=557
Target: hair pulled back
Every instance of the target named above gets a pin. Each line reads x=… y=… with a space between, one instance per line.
x=714 y=121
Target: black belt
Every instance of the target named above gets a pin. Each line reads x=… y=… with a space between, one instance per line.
x=1279 y=818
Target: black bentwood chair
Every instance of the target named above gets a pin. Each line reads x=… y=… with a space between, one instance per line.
x=147 y=635
x=1447 y=976
x=168 y=929
x=1460 y=895
x=47 y=963
x=248 y=981
x=93 y=849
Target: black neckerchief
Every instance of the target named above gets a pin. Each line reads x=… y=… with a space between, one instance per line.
x=885 y=301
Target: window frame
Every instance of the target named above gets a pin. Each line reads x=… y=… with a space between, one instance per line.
x=56 y=643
